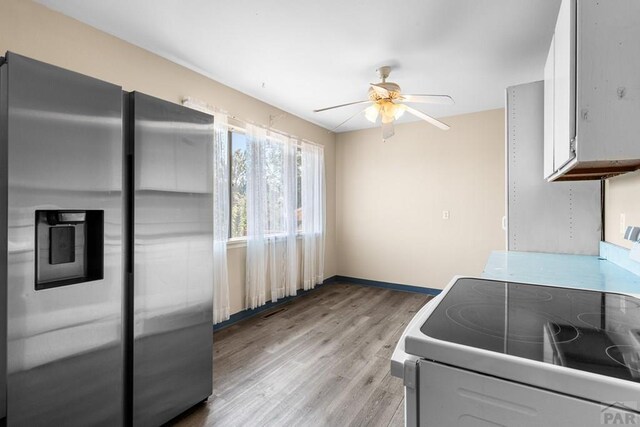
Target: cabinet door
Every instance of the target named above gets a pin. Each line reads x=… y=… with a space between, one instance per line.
x=564 y=83
x=548 y=112
x=608 y=87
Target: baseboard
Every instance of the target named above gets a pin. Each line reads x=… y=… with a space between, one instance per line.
x=245 y=314
x=387 y=285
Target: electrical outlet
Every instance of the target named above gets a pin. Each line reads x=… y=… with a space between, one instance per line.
x=445 y=214
x=623 y=223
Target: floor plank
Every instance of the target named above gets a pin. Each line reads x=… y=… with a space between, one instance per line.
x=398 y=417
x=319 y=360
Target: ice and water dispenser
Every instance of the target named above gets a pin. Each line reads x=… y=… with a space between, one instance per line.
x=69 y=247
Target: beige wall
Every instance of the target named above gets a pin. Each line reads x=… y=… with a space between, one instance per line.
x=35 y=31
x=622 y=196
x=391 y=196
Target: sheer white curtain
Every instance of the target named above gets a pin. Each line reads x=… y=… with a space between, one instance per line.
x=313 y=214
x=281 y=212
x=271 y=217
x=220 y=219
x=256 y=269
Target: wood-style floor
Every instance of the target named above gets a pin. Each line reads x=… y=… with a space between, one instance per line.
x=320 y=360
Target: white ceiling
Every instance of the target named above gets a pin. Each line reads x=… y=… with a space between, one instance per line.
x=301 y=55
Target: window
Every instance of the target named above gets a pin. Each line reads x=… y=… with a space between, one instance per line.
x=299 y=188
x=275 y=187
x=275 y=197
x=238 y=182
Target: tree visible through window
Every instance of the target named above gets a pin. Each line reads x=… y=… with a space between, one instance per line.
x=238 y=184
x=275 y=196
x=299 y=188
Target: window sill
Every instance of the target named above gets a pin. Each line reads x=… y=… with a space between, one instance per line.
x=237 y=242
x=241 y=242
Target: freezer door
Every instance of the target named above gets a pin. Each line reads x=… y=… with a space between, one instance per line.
x=173 y=259
x=64 y=145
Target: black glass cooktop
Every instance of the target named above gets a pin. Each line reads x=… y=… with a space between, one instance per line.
x=592 y=331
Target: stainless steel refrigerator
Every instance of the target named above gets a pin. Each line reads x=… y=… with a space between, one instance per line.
x=105 y=261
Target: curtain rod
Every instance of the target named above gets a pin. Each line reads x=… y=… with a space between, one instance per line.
x=204 y=107
x=297 y=140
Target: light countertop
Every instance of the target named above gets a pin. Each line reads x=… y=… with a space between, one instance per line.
x=579 y=271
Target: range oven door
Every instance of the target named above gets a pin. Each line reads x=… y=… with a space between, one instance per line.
x=449 y=396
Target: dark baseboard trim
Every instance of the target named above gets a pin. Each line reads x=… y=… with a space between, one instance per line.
x=386 y=285
x=332 y=279
x=245 y=314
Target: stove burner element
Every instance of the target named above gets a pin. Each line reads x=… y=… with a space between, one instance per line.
x=521 y=294
x=612 y=323
x=609 y=301
x=523 y=325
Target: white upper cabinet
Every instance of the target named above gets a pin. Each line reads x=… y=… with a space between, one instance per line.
x=592 y=91
x=548 y=111
x=564 y=66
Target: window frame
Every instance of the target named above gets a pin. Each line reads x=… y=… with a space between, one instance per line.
x=231 y=131
x=240 y=241
x=230 y=159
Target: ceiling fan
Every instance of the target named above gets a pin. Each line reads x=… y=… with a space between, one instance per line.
x=389 y=103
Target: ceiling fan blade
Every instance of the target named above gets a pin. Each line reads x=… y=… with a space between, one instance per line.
x=387 y=130
x=381 y=91
x=429 y=99
x=427 y=118
x=342 y=105
x=359 y=112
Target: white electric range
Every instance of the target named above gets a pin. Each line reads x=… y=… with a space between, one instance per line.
x=486 y=353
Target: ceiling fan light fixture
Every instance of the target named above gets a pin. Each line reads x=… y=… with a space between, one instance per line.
x=371 y=113
x=399 y=111
x=388 y=111
x=387 y=119
x=388 y=103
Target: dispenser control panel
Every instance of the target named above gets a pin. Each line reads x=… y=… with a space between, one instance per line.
x=69 y=247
